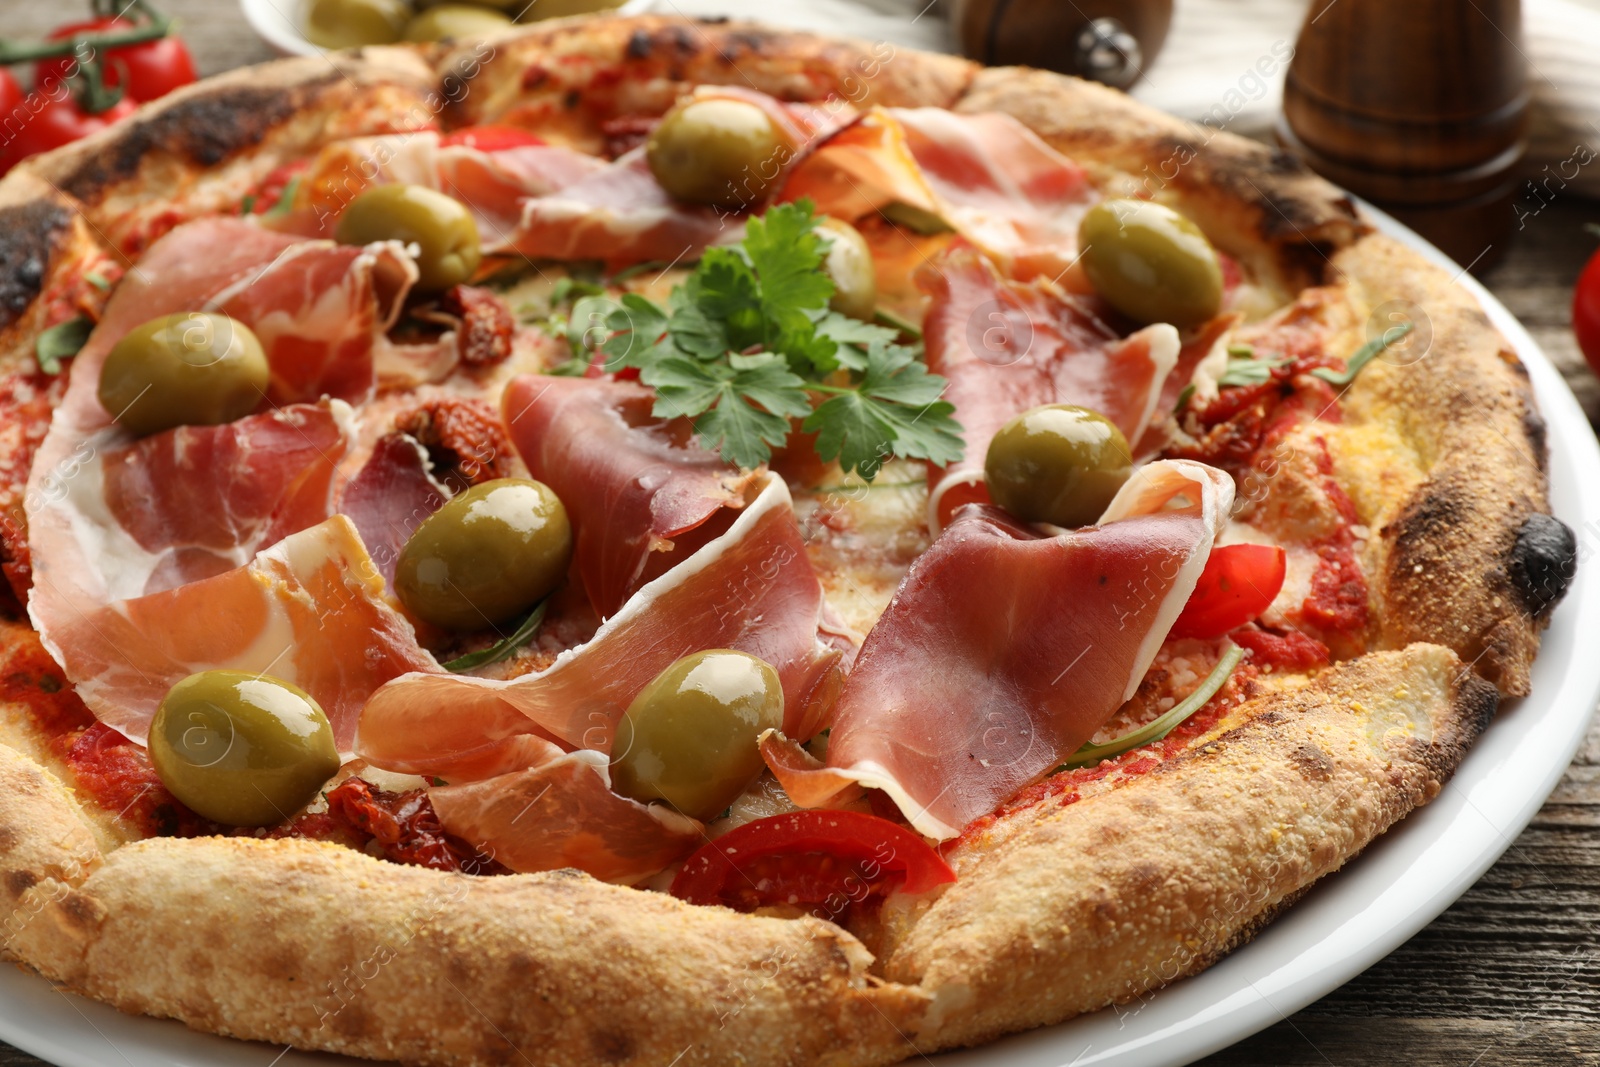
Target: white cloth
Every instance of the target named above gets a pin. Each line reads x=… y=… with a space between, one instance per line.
x=1224 y=62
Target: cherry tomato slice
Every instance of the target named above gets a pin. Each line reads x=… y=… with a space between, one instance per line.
x=1586 y=312
x=491 y=138
x=54 y=123
x=1238 y=584
x=810 y=858
x=154 y=68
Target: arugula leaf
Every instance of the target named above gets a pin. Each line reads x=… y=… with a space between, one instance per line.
x=60 y=341
x=503 y=647
x=1363 y=355
x=1246 y=370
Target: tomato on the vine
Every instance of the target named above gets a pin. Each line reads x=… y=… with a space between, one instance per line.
x=58 y=122
x=1586 y=312
x=1237 y=585
x=154 y=68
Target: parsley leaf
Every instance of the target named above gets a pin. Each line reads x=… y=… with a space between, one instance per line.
x=747 y=342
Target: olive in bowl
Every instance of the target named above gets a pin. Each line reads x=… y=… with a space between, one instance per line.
x=195 y=368
x=1150 y=263
x=241 y=749
x=440 y=226
x=485 y=557
x=353 y=23
x=689 y=737
x=1058 y=464
x=716 y=151
x=456 y=22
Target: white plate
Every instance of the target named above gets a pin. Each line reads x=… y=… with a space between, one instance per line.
x=1349 y=922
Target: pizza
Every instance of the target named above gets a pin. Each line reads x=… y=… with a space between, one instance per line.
x=649 y=541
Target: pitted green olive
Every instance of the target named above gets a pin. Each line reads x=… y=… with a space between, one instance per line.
x=486 y=556
x=1150 y=263
x=719 y=152
x=196 y=368
x=353 y=23
x=848 y=263
x=1058 y=464
x=456 y=21
x=241 y=749
x=690 y=737
x=440 y=226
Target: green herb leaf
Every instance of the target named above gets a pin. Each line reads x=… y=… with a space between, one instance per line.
x=1364 y=355
x=60 y=341
x=285 y=201
x=1184 y=398
x=502 y=648
x=895 y=411
x=1089 y=755
x=567 y=287
x=741 y=407
x=1245 y=370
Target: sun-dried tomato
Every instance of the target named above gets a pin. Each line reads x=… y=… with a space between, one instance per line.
x=462 y=436
x=484 y=335
x=407 y=828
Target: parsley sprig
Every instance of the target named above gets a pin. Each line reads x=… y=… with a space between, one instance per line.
x=747 y=343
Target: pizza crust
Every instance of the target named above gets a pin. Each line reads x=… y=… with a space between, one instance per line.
x=1119 y=893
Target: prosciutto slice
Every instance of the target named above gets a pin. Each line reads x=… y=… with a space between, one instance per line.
x=1040 y=665
x=622 y=215
x=390 y=496
x=1008 y=346
x=493 y=184
x=989 y=177
x=526 y=760
x=560 y=812
x=641 y=494
x=153 y=558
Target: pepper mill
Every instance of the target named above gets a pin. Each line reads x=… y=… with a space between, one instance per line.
x=1420 y=107
x=1110 y=41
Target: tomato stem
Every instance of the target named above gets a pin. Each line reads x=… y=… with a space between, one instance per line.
x=154 y=28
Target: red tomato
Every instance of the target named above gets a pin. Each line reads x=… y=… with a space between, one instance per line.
x=1586 y=312
x=1238 y=584
x=10 y=98
x=58 y=122
x=154 y=68
x=810 y=858
x=491 y=138
x=10 y=93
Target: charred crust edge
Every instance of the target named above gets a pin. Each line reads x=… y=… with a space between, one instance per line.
x=30 y=233
x=1544 y=560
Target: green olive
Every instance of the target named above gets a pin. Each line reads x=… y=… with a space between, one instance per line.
x=718 y=152
x=486 y=557
x=849 y=264
x=1150 y=263
x=1058 y=464
x=458 y=21
x=196 y=368
x=554 y=9
x=690 y=737
x=353 y=23
x=440 y=226
x=241 y=749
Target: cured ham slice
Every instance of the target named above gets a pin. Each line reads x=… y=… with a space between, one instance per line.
x=157 y=557
x=200 y=500
x=622 y=215
x=560 y=812
x=309 y=610
x=642 y=495
x=1009 y=346
x=492 y=183
x=390 y=496
x=1004 y=650
x=750 y=589
x=987 y=176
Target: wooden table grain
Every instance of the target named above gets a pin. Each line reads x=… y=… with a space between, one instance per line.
x=1510 y=974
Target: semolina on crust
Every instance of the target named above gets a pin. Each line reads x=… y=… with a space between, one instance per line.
x=1059 y=909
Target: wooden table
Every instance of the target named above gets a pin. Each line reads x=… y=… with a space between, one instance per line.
x=1510 y=974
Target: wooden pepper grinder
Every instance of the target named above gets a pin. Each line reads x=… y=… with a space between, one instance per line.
x=1420 y=107
x=1110 y=41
